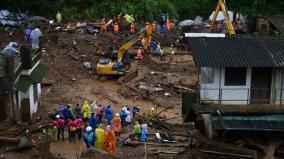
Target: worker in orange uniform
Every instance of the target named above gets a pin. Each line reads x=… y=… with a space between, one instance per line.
x=132 y=28
x=139 y=53
x=153 y=25
x=169 y=25
x=103 y=26
x=147 y=25
x=110 y=142
x=115 y=28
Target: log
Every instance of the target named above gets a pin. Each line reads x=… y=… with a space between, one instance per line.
x=9 y=140
x=138 y=143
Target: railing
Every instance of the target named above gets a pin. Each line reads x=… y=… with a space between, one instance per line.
x=12 y=65
x=241 y=96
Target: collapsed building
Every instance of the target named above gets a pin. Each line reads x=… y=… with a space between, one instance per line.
x=20 y=88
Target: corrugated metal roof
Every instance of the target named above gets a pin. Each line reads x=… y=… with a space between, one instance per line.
x=271 y=122
x=237 y=52
x=278 y=22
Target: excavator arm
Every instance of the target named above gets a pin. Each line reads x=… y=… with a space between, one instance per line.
x=133 y=40
x=222 y=6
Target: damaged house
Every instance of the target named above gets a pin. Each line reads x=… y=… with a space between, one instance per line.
x=240 y=83
x=20 y=88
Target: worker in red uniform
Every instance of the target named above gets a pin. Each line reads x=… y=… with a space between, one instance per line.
x=139 y=53
x=103 y=26
x=153 y=25
x=115 y=28
x=132 y=28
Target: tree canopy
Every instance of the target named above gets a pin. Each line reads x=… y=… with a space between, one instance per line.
x=148 y=9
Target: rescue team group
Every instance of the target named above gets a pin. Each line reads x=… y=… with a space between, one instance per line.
x=87 y=122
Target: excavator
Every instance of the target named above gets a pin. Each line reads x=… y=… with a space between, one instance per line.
x=121 y=64
x=222 y=6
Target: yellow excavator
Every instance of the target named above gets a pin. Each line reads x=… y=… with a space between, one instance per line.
x=222 y=6
x=121 y=64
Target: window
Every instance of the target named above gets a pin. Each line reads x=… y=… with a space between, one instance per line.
x=207 y=75
x=235 y=76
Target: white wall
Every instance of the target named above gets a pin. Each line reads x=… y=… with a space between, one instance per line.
x=228 y=92
x=30 y=94
x=278 y=86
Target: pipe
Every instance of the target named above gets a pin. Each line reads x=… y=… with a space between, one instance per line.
x=227 y=154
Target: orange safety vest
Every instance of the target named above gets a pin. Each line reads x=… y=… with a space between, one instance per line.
x=147 y=26
x=132 y=28
x=117 y=124
x=115 y=28
x=153 y=27
x=139 y=53
x=169 y=25
x=103 y=26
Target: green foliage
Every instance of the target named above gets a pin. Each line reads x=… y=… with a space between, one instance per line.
x=148 y=9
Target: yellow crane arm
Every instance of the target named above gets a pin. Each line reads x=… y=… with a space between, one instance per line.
x=222 y=6
x=142 y=34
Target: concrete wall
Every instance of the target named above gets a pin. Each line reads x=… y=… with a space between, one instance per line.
x=211 y=91
x=30 y=95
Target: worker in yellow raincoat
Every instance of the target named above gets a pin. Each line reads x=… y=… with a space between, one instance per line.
x=58 y=17
x=100 y=137
x=86 y=111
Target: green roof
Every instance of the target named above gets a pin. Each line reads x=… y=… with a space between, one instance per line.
x=24 y=81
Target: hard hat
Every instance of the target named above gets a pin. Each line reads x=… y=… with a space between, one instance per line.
x=116 y=114
x=88 y=129
x=172 y=45
x=57 y=116
x=152 y=108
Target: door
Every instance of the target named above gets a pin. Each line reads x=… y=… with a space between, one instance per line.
x=25 y=109
x=260 y=85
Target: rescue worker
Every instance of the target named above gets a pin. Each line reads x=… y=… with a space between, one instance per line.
x=100 y=112
x=135 y=109
x=147 y=25
x=144 y=132
x=35 y=37
x=86 y=111
x=79 y=124
x=117 y=124
x=100 y=137
x=118 y=18
x=93 y=121
x=109 y=114
x=58 y=17
x=60 y=127
x=162 y=56
x=72 y=130
x=28 y=34
x=136 y=130
x=172 y=53
x=116 y=28
x=169 y=25
x=78 y=111
x=89 y=137
x=54 y=129
x=153 y=26
x=110 y=144
x=139 y=53
x=132 y=28
x=123 y=116
x=152 y=112
x=103 y=26
x=94 y=107
x=128 y=117
x=67 y=112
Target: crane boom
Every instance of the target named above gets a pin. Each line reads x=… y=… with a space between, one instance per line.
x=222 y=6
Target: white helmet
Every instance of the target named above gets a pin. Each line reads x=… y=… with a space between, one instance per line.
x=88 y=129
x=152 y=108
x=116 y=114
x=57 y=116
